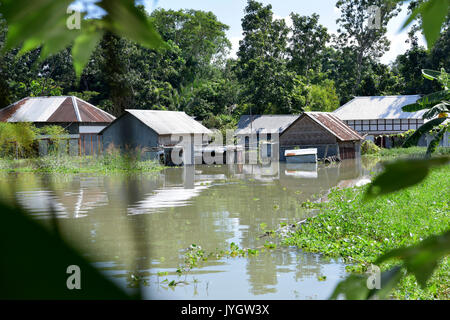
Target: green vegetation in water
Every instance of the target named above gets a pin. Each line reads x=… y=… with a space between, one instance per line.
x=76 y=164
x=195 y=255
x=360 y=231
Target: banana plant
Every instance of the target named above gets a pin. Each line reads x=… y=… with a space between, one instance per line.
x=438 y=105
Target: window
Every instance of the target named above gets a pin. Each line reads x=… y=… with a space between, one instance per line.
x=373 y=125
x=389 y=126
x=405 y=124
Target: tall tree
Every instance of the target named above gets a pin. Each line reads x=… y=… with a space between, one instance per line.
x=307 y=43
x=363 y=27
x=199 y=34
x=269 y=86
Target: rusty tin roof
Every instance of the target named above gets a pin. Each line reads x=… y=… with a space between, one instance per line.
x=332 y=124
x=53 y=110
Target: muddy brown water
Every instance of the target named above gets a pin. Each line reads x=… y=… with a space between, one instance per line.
x=144 y=222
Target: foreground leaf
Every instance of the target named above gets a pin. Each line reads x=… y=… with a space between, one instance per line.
x=433 y=14
x=33 y=263
x=422 y=259
x=402 y=174
x=83 y=47
x=355 y=287
x=124 y=19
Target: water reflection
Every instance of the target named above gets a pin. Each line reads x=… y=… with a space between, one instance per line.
x=142 y=222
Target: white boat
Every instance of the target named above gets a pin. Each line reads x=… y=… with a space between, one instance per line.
x=301 y=155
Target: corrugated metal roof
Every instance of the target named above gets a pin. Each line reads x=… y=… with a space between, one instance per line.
x=269 y=123
x=169 y=122
x=380 y=107
x=54 y=109
x=334 y=125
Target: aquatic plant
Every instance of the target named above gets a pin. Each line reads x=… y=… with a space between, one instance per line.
x=361 y=231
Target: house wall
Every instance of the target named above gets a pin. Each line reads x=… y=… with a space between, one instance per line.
x=349 y=150
x=129 y=133
x=378 y=127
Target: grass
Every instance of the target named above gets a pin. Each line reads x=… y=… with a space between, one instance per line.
x=359 y=231
x=387 y=154
x=86 y=164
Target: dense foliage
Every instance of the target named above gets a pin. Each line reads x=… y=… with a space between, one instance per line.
x=278 y=69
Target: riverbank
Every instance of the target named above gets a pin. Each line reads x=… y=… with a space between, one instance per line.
x=359 y=232
x=413 y=152
x=87 y=164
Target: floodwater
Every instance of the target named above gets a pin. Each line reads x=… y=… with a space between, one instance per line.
x=145 y=222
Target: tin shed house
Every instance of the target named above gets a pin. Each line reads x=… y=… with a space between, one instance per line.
x=153 y=130
x=323 y=131
x=82 y=120
x=256 y=124
x=382 y=115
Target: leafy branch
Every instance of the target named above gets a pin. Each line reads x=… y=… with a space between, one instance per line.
x=44 y=24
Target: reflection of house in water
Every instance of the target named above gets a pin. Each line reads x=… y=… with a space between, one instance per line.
x=73 y=204
x=261 y=172
x=39 y=203
x=167 y=197
x=302 y=170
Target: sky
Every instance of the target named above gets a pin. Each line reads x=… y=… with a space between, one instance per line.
x=231 y=12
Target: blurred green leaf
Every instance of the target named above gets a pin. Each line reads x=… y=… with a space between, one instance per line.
x=83 y=47
x=34 y=262
x=43 y=23
x=128 y=21
x=33 y=22
x=421 y=259
x=433 y=14
x=414 y=138
x=402 y=174
x=355 y=286
x=352 y=288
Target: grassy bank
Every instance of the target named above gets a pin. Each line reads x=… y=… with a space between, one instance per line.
x=86 y=164
x=413 y=152
x=360 y=231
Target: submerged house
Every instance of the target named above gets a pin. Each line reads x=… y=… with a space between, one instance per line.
x=380 y=115
x=258 y=124
x=320 y=130
x=82 y=120
x=324 y=132
x=153 y=131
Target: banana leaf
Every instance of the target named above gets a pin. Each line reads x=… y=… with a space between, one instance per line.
x=435 y=142
x=414 y=138
x=443 y=107
x=428 y=101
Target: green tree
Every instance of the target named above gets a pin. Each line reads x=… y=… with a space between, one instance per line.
x=365 y=40
x=307 y=43
x=269 y=86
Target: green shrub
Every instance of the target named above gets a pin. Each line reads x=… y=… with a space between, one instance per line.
x=368 y=147
x=17 y=140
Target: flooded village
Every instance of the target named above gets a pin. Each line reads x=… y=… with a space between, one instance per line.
x=147 y=220
x=227 y=150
